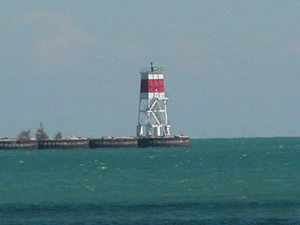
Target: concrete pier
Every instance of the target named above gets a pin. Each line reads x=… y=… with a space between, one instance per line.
x=70 y=143
x=13 y=143
x=104 y=142
x=168 y=141
x=114 y=142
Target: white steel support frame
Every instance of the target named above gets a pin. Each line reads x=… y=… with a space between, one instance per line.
x=153 y=117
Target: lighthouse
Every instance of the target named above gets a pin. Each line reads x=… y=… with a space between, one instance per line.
x=153 y=116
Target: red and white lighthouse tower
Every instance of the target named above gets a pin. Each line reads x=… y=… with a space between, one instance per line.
x=153 y=116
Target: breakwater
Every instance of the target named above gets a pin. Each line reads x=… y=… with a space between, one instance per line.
x=103 y=142
x=114 y=142
x=16 y=143
x=167 y=141
x=64 y=143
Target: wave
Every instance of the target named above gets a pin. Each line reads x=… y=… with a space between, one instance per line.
x=134 y=207
x=269 y=212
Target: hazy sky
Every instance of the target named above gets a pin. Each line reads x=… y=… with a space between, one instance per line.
x=232 y=67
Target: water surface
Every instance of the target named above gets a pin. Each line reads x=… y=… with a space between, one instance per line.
x=214 y=181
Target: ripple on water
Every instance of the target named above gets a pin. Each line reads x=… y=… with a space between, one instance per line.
x=102 y=167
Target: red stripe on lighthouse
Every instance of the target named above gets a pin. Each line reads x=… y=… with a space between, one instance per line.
x=151 y=86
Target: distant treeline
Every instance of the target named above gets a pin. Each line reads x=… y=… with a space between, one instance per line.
x=40 y=134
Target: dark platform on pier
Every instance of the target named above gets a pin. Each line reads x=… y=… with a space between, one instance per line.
x=181 y=141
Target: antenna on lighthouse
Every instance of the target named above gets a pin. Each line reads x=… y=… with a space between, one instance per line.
x=153 y=116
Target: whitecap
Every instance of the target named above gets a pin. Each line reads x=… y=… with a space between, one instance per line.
x=184 y=180
x=21 y=161
x=90 y=188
